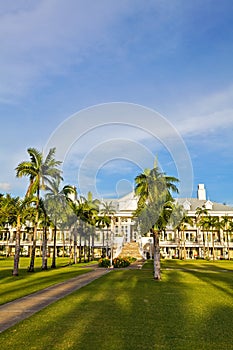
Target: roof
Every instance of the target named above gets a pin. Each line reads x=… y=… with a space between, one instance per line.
x=129 y=203
x=195 y=203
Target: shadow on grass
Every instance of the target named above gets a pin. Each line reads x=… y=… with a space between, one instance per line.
x=27 y=283
x=128 y=310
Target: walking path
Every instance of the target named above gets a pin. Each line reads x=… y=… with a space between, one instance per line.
x=19 y=309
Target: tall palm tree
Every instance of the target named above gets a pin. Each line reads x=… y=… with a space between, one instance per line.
x=56 y=206
x=14 y=211
x=154 y=190
x=216 y=226
x=230 y=236
x=107 y=213
x=91 y=218
x=40 y=171
x=206 y=223
x=45 y=222
x=82 y=209
x=201 y=212
x=225 y=224
x=182 y=226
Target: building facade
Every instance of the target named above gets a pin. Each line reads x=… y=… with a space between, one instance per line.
x=209 y=235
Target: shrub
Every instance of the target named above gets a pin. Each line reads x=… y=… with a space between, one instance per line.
x=121 y=262
x=104 y=262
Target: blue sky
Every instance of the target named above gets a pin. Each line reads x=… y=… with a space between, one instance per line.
x=175 y=57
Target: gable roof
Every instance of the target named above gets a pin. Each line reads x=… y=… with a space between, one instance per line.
x=195 y=203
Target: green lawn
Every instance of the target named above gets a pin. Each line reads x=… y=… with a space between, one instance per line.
x=15 y=287
x=191 y=308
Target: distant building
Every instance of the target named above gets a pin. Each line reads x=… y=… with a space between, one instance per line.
x=209 y=240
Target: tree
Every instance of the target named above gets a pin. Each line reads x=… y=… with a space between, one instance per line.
x=91 y=218
x=226 y=225
x=107 y=213
x=206 y=224
x=201 y=212
x=14 y=211
x=40 y=172
x=217 y=225
x=45 y=222
x=181 y=226
x=56 y=207
x=154 y=190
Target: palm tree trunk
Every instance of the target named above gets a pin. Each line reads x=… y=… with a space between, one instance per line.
x=228 y=245
x=53 y=266
x=93 y=244
x=185 y=253
x=157 y=272
x=75 y=246
x=80 y=247
x=44 y=249
x=208 y=245
x=107 y=244
x=63 y=244
x=17 y=249
x=33 y=251
x=103 y=247
x=89 y=248
x=204 y=250
x=213 y=236
x=179 y=248
x=85 y=248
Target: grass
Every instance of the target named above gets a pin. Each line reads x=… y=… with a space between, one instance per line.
x=12 y=288
x=191 y=308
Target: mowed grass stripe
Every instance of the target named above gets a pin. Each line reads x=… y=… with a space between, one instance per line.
x=12 y=288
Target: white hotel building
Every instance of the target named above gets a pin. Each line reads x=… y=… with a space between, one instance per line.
x=192 y=242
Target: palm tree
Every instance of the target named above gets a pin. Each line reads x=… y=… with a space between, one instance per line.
x=40 y=172
x=91 y=218
x=207 y=224
x=230 y=235
x=201 y=212
x=85 y=210
x=14 y=211
x=217 y=225
x=107 y=213
x=21 y=213
x=45 y=222
x=56 y=206
x=154 y=208
x=182 y=226
x=225 y=224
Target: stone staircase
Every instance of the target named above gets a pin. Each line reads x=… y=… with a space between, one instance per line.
x=131 y=249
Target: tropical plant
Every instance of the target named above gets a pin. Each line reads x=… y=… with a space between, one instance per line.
x=15 y=211
x=181 y=225
x=40 y=172
x=107 y=213
x=226 y=224
x=104 y=262
x=91 y=220
x=45 y=223
x=86 y=211
x=206 y=224
x=216 y=225
x=57 y=209
x=201 y=213
x=154 y=190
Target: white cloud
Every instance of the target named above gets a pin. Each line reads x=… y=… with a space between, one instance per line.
x=207 y=115
x=5 y=186
x=48 y=37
